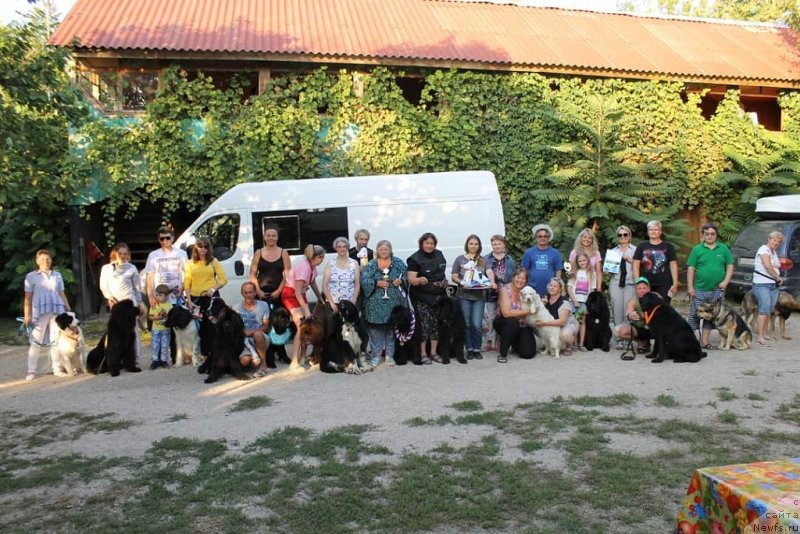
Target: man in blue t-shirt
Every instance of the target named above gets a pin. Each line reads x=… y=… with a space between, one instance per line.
x=542 y=261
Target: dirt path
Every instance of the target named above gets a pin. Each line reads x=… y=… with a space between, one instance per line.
x=389 y=396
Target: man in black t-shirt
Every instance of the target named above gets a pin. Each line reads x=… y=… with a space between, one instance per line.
x=657 y=261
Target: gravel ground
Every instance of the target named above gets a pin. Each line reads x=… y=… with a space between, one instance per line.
x=389 y=396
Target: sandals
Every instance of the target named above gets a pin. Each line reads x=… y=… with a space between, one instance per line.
x=710 y=347
x=436 y=358
x=426 y=361
x=502 y=359
x=642 y=350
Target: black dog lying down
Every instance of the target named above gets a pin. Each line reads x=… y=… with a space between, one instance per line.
x=227 y=344
x=117 y=347
x=674 y=337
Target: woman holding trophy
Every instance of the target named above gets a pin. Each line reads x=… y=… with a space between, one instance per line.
x=382 y=281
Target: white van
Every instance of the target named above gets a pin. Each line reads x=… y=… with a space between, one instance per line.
x=399 y=208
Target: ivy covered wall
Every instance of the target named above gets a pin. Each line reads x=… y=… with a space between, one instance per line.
x=503 y=122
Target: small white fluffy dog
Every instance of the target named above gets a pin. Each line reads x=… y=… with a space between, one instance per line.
x=532 y=302
x=71 y=344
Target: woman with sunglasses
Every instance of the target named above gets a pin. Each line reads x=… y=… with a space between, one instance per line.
x=620 y=286
x=204 y=276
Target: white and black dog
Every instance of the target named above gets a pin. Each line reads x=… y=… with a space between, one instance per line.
x=354 y=331
x=550 y=335
x=185 y=327
x=71 y=344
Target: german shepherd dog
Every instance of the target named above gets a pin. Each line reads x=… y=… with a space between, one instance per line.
x=783 y=309
x=733 y=331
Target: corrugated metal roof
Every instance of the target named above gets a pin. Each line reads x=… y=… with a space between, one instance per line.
x=438 y=31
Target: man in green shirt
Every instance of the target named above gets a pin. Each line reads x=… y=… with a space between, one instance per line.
x=710 y=270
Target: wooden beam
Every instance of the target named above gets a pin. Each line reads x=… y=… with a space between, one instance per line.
x=264 y=77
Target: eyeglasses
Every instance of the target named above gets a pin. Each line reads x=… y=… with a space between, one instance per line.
x=203 y=247
x=542 y=236
x=165 y=238
x=623 y=234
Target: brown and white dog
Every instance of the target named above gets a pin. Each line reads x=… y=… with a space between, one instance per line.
x=314 y=331
x=71 y=344
x=783 y=309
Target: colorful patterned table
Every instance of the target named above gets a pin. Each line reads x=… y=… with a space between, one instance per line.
x=743 y=499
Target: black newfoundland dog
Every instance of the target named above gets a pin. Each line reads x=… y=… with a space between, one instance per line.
x=406 y=335
x=598 y=318
x=452 y=330
x=280 y=333
x=117 y=347
x=673 y=335
x=227 y=343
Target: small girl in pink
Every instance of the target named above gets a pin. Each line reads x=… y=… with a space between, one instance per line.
x=587 y=244
x=579 y=287
x=302 y=276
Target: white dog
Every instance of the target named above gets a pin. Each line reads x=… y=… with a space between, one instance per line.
x=532 y=302
x=71 y=344
x=186 y=335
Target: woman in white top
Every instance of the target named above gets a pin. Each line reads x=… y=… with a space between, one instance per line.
x=621 y=286
x=766 y=279
x=342 y=277
x=119 y=280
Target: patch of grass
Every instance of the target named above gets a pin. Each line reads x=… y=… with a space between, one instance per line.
x=50 y=427
x=750 y=372
x=620 y=399
x=725 y=394
x=667 y=401
x=728 y=417
x=251 y=403
x=297 y=480
x=177 y=417
x=421 y=421
x=712 y=404
x=467 y=406
x=755 y=397
x=790 y=411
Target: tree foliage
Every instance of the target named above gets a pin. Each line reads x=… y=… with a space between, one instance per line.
x=37 y=107
x=625 y=151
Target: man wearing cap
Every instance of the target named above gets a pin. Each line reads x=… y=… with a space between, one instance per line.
x=710 y=269
x=542 y=261
x=635 y=327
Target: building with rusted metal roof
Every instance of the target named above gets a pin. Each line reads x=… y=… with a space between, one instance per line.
x=120 y=47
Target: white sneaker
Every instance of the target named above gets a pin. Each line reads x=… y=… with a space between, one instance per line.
x=60 y=373
x=30 y=376
x=390 y=361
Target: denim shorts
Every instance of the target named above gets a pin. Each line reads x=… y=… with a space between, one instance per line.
x=766 y=296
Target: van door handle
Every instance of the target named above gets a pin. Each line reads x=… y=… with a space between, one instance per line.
x=238 y=267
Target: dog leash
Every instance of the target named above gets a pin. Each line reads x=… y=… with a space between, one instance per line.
x=27 y=331
x=765 y=275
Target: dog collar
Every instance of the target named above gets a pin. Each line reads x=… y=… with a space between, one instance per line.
x=649 y=316
x=403 y=338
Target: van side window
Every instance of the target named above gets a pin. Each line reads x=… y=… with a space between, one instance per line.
x=298 y=228
x=223 y=231
x=794 y=245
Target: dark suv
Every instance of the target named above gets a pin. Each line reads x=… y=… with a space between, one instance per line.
x=744 y=252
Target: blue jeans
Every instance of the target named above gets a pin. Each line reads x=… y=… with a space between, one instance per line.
x=381 y=337
x=766 y=296
x=473 y=316
x=160 y=344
